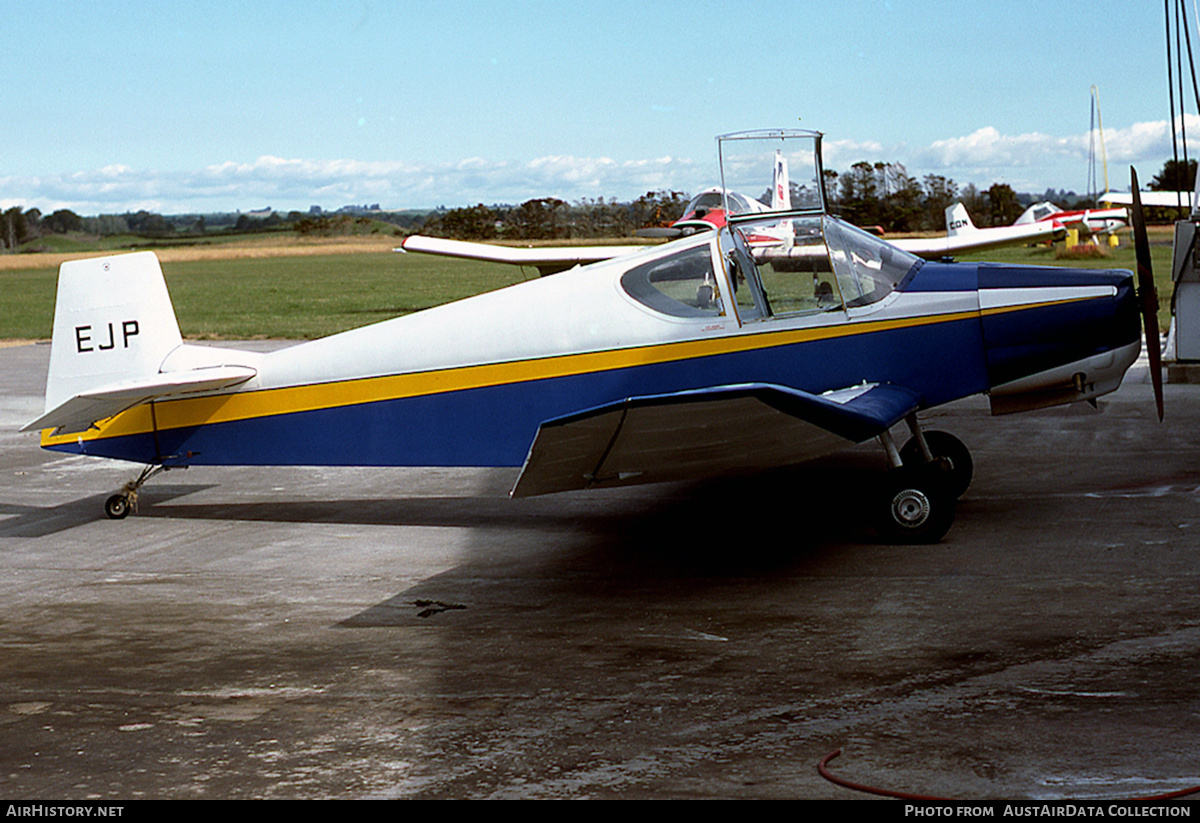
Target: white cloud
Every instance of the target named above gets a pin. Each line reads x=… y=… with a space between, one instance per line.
x=1028 y=162
x=298 y=183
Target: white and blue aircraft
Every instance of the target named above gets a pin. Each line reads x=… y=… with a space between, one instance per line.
x=703 y=356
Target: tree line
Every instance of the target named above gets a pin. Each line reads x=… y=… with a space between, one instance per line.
x=867 y=194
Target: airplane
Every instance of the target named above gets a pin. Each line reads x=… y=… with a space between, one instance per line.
x=708 y=209
x=697 y=358
x=1095 y=221
x=962 y=236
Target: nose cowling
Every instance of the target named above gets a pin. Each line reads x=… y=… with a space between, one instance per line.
x=1056 y=335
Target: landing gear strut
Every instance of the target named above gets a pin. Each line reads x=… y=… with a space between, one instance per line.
x=941 y=445
x=120 y=504
x=919 y=494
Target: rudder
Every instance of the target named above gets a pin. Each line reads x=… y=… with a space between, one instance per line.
x=113 y=322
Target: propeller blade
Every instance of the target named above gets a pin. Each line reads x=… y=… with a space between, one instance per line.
x=1147 y=293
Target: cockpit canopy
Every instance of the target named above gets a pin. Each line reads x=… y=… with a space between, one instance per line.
x=783 y=164
x=774 y=268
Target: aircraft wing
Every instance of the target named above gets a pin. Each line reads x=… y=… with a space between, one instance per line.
x=707 y=432
x=547 y=260
x=973 y=239
x=1163 y=199
x=82 y=410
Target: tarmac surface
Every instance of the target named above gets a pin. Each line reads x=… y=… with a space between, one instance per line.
x=413 y=633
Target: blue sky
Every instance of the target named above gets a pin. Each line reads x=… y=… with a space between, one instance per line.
x=179 y=107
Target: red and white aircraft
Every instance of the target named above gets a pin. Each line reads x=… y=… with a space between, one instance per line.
x=1096 y=221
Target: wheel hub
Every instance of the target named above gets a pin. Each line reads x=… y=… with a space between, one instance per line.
x=910 y=508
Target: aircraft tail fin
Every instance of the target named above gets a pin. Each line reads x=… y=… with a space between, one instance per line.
x=958 y=220
x=114 y=325
x=781 y=195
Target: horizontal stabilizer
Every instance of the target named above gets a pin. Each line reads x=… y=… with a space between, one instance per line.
x=82 y=410
x=715 y=431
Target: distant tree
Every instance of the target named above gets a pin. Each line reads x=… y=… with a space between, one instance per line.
x=1003 y=205
x=14 y=229
x=940 y=192
x=832 y=191
x=62 y=221
x=1175 y=176
x=859 y=194
x=33 y=222
x=105 y=225
x=148 y=224
x=474 y=223
x=600 y=218
x=542 y=219
x=975 y=202
x=657 y=208
x=902 y=208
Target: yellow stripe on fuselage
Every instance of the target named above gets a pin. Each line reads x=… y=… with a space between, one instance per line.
x=243 y=405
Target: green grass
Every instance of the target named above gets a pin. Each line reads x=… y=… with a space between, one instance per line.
x=303 y=297
x=279 y=297
x=307 y=297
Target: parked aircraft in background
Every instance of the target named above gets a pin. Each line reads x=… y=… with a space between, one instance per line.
x=1094 y=221
x=710 y=208
x=700 y=357
x=962 y=237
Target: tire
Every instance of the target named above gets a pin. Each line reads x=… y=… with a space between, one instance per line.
x=943 y=445
x=117 y=507
x=915 y=506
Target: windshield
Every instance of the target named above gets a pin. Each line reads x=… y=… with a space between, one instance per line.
x=781 y=169
x=867 y=268
x=808 y=264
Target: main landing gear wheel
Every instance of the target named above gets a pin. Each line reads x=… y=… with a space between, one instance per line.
x=123 y=502
x=916 y=505
x=117 y=507
x=943 y=445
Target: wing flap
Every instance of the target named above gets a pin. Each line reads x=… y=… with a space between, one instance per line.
x=81 y=411
x=715 y=431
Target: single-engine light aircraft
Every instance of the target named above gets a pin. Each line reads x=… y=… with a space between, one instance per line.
x=704 y=356
x=1093 y=221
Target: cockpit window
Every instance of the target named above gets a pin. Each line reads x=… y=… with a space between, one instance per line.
x=682 y=284
x=867 y=268
x=809 y=264
x=739 y=204
x=707 y=201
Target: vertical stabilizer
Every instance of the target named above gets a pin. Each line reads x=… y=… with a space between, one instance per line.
x=781 y=194
x=958 y=221
x=113 y=322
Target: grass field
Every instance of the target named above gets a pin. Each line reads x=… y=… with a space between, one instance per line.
x=305 y=289
x=246 y=292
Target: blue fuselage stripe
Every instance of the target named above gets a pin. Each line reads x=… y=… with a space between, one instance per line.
x=495 y=425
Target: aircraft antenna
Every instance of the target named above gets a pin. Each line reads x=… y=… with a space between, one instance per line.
x=1182 y=29
x=1096 y=125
